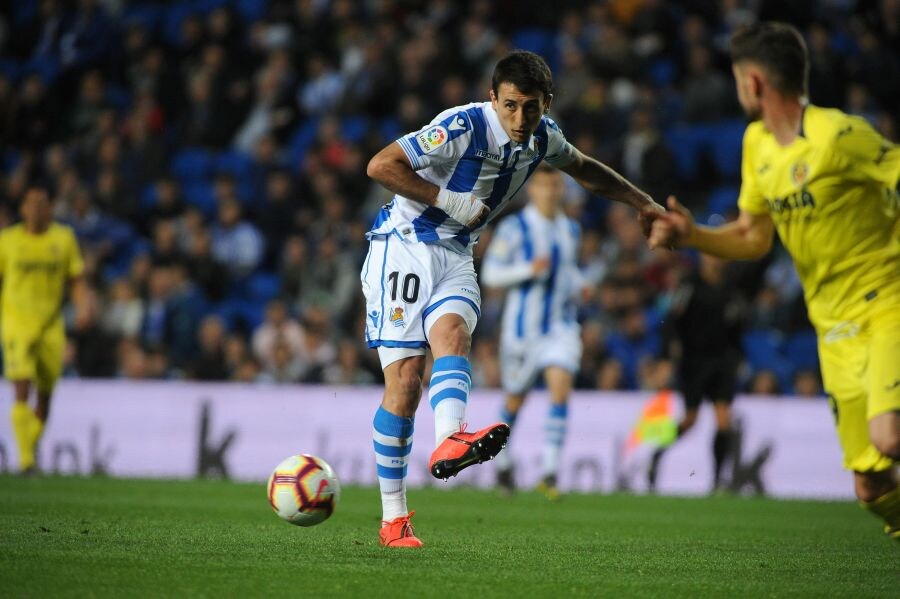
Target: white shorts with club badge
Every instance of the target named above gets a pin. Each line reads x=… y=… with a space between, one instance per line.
x=407 y=287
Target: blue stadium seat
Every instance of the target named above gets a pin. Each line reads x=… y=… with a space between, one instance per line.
x=192 y=165
x=149 y=16
x=722 y=200
x=724 y=143
x=171 y=22
x=686 y=143
x=200 y=195
x=538 y=40
x=262 y=287
x=301 y=141
x=802 y=350
x=354 y=128
x=11 y=68
x=252 y=10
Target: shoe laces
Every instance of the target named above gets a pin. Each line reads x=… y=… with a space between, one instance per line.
x=406 y=528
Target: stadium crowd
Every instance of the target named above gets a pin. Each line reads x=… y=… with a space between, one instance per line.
x=210 y=155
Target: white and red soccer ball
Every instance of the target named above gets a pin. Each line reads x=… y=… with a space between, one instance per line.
x=303 y=490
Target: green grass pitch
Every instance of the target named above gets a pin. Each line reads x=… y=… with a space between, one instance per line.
x=111 y=538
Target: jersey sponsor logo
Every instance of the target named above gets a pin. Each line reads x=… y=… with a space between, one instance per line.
x=458 y=124
x=487 y=155
x=431 y=139
x=373 y=316
x=396 y=317
x=28 y=267
x=799 y=173
x=792 y=203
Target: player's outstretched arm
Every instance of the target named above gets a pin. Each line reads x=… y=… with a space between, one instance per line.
x=392 y=168
x=747 y=238
x=599 y=179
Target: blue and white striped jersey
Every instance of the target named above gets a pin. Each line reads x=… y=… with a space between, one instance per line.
x=535 y=307
x=465 y=149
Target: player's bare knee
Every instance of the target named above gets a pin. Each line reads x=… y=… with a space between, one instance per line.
x=450 y=337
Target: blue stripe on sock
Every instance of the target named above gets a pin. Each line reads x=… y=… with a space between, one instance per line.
x=391 y=451
x=392 y=473
x=559 y=410
x=392 y=425
x=445 y=377
x=452 y=363
x=449 y=394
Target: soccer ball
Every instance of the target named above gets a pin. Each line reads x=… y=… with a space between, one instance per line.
x=303 y=490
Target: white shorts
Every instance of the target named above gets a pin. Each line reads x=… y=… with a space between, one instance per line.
x=522 y=360
x=408 y=286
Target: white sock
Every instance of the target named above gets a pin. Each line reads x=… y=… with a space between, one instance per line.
x=555 y=435
x=504 y=459
x=392 y=439
x=448 y=392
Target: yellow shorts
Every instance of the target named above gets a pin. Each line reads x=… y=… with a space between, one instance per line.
x=34 y=357
x=861 y=373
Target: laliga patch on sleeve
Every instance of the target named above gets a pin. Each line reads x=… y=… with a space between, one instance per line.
x=432 y=138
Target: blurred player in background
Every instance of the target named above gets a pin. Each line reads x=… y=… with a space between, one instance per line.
x=703 y=330
x=419 y=280
x=533 y=254
x=828 y=183
x=38 y=257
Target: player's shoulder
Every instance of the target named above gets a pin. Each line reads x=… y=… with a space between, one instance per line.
x=459 y=117
x=11 y=231
x=824 y=125
x=61 y=230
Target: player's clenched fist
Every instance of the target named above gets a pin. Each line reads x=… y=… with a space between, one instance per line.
x=672 y=228
x=464 y=208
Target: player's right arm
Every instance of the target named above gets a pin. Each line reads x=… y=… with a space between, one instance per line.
x=396 y=164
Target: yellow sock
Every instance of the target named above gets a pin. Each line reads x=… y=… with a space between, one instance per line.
x=22 y=418
x=37 y=429
x=887 y=507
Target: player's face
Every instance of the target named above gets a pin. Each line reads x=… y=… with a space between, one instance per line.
x=35 y=210
x=519 y=113
x=747 y=90
x=547 y=189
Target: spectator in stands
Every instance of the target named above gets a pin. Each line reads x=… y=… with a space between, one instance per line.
x=807 y=383
x=208 y=364
x=348 y=369
x=764 y=382
x=278 y=328
x=236 y=243
x=124 y=311
x=285 y=366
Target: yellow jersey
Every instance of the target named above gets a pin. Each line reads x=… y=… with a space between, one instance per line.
x=832 y=195
x=34 y=271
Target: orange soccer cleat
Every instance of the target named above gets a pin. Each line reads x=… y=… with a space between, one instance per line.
x=461 y=450
x=398 y=533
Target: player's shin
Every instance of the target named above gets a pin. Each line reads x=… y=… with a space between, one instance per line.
x=22 y=422
x=448 y=392
x=555 y=432
x=504 y=458
x=887 y=507
x=392 y=439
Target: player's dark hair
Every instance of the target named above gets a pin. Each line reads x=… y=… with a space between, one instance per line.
x=779 y=49
x=526 y=70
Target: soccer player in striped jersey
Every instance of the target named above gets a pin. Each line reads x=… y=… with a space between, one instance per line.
x=827 y=182
x=450 y=178
x=533 y=255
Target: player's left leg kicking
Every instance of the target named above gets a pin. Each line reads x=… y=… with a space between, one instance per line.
x=416 y=296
